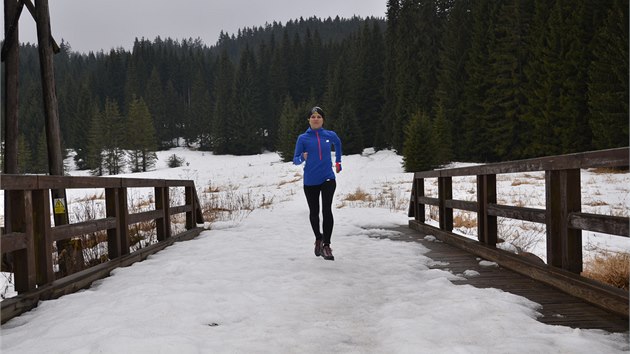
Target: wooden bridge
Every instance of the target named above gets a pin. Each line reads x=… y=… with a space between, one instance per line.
x=29 y=237
x=566 y=297
x=575 y=300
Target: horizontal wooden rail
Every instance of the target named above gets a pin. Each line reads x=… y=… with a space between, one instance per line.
x=613 y=225
x=428 y=200
x=13 y=241
x=603 y=158
x=563 y=219
x=518 y=213
x=64 y=232
x=460 y=204
x=144 y=216
x=28 y=236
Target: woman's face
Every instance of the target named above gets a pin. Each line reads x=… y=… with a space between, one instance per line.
x=316 y=121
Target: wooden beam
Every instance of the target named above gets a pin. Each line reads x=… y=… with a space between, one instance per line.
x=612 y=225
x=11 y=26
x=31 y=9
x=519 y=213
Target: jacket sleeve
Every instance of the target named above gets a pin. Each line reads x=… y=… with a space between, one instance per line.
x=298 y=158
x=338 y=151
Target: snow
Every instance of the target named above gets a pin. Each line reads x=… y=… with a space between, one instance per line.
x=251 y=284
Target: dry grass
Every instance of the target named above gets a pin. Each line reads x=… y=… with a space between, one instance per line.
x=283 y=182
x=92 y=197
x=518 y=182
x=595 y=203
x=464 y=220
x=609 y=267
x=358 y=195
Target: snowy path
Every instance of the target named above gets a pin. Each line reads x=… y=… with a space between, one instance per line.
x=257 y=288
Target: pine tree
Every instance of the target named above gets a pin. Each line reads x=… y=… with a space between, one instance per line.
x=141 y=144
x=388 y=111
x=156 y=101
x=475 y=123
x=80 y=116
x=113 y=138
x=223 y=111
x=419 y=147
x=94 y=158
x=608 y=80
x=442 y=137
x=505 y=98
x=287 y=129
x=200 y=113
x=452 y=74
x=559 y=104
x=348 y=128
x=244 y=129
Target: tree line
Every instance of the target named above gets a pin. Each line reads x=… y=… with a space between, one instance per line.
x=437 y=81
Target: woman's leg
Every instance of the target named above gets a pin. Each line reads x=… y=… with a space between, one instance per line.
x=328 y=191
x=312 y=198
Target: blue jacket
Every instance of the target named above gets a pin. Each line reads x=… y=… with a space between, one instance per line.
x=318 y=163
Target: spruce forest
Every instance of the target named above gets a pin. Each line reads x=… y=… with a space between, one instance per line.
x=438 y=81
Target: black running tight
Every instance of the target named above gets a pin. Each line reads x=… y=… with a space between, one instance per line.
x=327 y=190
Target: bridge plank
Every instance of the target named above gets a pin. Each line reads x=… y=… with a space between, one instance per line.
x=558 y=307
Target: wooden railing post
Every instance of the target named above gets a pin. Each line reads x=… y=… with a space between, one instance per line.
x=445 y=192
x=486 y=224
x=190 y=201
x=563 y=196
x=112 y=209
x=116 y=206
x=123 y=224
x=24 y=268
x=162 y=224
x=420 y=209
x=42 y=237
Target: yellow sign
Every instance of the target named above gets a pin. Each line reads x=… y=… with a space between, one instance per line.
x=60 y=206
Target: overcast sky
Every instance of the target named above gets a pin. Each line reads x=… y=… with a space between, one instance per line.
x=92 y=25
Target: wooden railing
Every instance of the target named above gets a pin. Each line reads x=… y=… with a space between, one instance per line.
x=562 y=217
x=29 y=233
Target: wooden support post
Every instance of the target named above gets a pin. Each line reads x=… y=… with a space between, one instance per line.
x=11 y=64
x=163 y=224
x=563 y=196
x=43 y=238
x=190 y=215
x=123 y=224
x=10 y=56
x=420 y=209
x=112 y=210
x=53 y=134
x=486 y=224
x=445 y=192
x=116 y=207
x=24 y=268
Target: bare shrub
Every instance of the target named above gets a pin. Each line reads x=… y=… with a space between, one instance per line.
x=523 y=235
x=93 y=245
x=609 y=267
x=229 y=203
